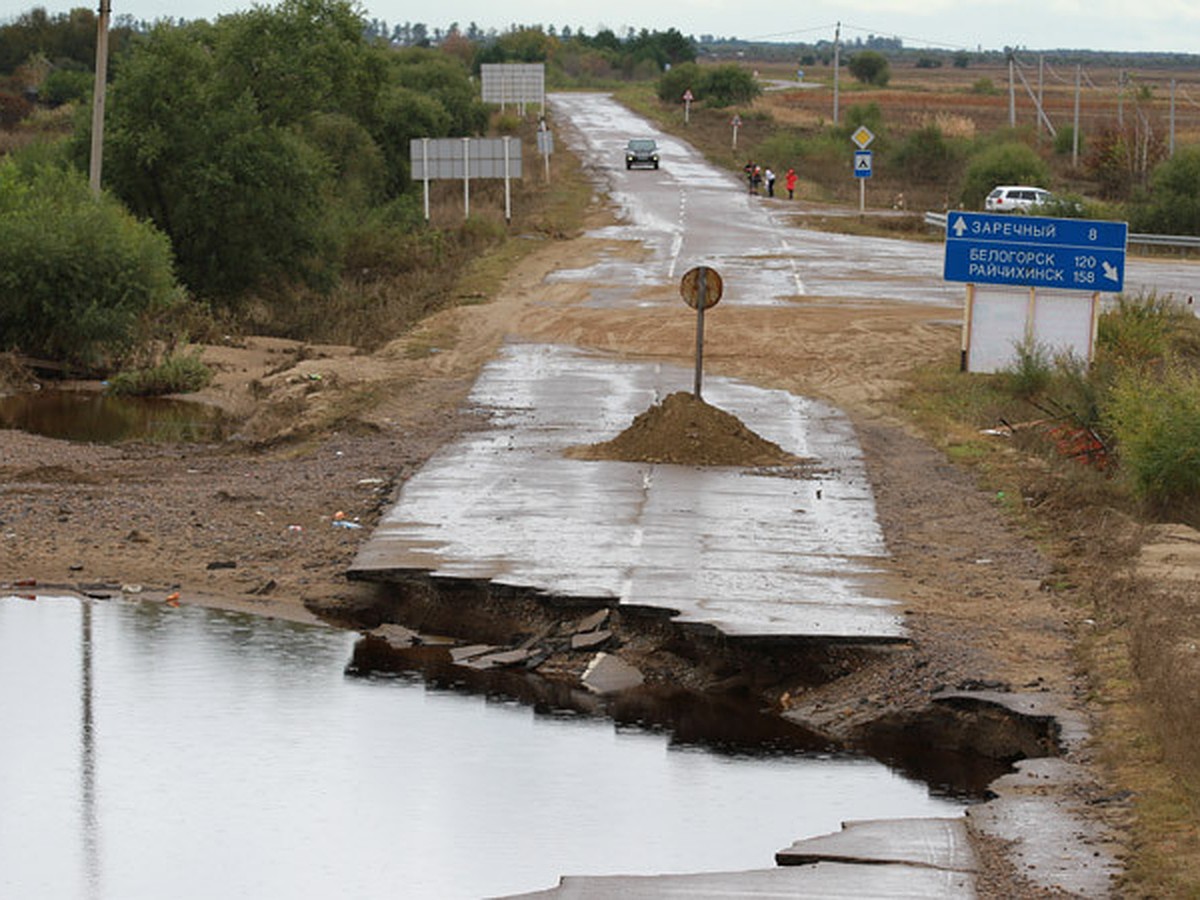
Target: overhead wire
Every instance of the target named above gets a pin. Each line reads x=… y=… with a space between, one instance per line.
x=877 y=32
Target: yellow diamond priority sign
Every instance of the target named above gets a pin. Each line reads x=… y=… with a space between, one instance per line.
x=862 y=137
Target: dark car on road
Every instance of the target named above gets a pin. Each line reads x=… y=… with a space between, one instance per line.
x=641 y=152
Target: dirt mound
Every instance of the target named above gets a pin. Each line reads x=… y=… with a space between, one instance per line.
x=685 y=430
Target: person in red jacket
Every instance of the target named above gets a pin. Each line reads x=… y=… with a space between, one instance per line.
x=789 y=181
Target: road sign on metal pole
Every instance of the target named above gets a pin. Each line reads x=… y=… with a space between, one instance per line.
x=687 y=105
x=861 y=139
x=700 y=288
x=736 y=123
x=862 y=171
x=1031 y=252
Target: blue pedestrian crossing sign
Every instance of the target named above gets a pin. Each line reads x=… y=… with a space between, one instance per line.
x=1035 y=251
x=862 y=163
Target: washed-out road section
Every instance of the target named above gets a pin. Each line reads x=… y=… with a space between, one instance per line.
x=779 y=552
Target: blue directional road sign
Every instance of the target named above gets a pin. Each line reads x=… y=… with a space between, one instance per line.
x=862 y=163
x=1035 y=251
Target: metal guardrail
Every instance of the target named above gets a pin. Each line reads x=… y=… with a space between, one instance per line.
x=1183 y=241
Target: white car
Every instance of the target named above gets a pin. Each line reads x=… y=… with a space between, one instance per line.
x=1016 y=198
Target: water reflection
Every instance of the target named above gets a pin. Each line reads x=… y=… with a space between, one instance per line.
x=150 y=752
x=87 y=755
x=104 y=419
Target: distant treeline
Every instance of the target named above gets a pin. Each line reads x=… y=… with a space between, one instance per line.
x=37 y=43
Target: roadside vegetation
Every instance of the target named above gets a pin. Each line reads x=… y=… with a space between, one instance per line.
x=1087 y=459
x=257 y=180
x=266 y=156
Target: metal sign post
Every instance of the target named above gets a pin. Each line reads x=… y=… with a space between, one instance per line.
x=700 y=288
x=862 y=138
x=687 y=105
x=466 y=144
x=545 y=141
x=425 y=172
x=507 y=187
x=862 y=171
x=736 y=123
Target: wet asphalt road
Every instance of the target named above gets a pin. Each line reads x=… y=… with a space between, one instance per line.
x=689 y=213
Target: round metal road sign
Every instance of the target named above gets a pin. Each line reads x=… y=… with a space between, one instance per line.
x=690 y=285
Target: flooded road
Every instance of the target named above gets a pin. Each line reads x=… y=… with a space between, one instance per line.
x=152 y=752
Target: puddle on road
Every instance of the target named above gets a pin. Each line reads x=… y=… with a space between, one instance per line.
x=89 y=416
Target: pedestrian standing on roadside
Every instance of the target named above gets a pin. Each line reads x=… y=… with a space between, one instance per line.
x=749 y=170
x=789 y=181
x=770 y=176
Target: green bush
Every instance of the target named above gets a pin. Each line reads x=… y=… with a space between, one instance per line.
x=1173 y=206
x=677 y=80
x=1136 y=332
x=1007 y=163
x=863 y=114
x=1064 y=141
x=81 y=280
x=176 y=373
x=728 y=85
x=1031 y=372
x=870 y=67
x=1155 y=418
x=926 y=157
x=66 y=86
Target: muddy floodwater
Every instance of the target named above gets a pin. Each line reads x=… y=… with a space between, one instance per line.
x=105 y=419
x=149 y=752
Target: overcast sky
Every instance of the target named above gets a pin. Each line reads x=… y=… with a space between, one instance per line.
x=1168 y=25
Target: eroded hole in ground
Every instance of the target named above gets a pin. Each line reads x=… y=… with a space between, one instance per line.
x=696 y=683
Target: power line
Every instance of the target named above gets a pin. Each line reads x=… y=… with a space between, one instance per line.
x=880 y=32
x=877 y=32
x=763 y=37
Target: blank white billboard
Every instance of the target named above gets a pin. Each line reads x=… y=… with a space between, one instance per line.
x=1000 y=322
x=461 y=158
x=518 y=83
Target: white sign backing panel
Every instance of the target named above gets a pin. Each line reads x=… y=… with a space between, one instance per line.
x=1001 y=322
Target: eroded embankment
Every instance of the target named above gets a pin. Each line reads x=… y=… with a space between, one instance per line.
x=601 y=658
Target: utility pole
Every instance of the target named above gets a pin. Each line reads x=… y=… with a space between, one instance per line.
x=1075 y=127
x=1012 y=90
x=1121 y=100
x=98 y=91
x=837 y=46
x=1041 y=86
x=1171 y=143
